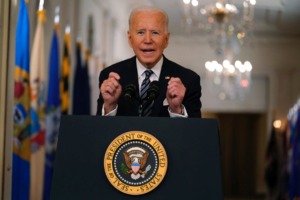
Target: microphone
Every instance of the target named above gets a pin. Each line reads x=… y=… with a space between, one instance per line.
x=153 y=91
x=129 y=92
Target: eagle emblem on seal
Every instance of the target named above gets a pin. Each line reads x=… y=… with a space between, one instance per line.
x=136 y=160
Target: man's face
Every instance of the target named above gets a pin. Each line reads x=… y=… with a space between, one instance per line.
x=148 y=37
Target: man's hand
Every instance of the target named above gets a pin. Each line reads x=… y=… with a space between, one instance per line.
x=175 y=94
x=111 y=91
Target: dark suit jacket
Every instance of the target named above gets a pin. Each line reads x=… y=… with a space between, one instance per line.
x=128 y=73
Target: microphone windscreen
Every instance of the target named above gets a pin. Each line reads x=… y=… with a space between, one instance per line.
x=129 y=92
x=153 y=90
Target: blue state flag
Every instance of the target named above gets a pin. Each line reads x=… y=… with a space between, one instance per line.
x=81 y=90
x=53 y=113
x=21 y=135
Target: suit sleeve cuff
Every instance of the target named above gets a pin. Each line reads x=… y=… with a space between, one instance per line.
x=175 y=115
x=111 y=113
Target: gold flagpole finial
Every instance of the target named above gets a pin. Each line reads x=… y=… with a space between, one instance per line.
x=68 y=36
x=42 y=12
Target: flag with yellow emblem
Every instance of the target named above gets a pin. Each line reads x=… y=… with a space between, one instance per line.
x=65 y=75
x=21 y=128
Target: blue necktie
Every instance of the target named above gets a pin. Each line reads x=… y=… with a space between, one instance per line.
x=146 y=110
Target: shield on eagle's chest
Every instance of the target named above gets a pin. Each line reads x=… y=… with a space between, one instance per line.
x=135 y=167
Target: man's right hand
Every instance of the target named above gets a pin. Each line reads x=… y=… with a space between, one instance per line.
x=111 y=91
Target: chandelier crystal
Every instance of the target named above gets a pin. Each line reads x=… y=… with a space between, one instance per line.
x=228 y=28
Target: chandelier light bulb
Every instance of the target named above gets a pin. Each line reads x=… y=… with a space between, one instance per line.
x=226 y=64
x=231 y=8
x=242 y=68
x=228 y=6
x=186 y=1
x=209 y=66
x=248 y=66
x=238 y=64
x=219 y=68
x=231 y=69
x=219 y=5
x=215 y=63
x=253 y=2
x=195 y=3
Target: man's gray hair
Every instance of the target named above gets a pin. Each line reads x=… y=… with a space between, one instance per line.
x=149 y=9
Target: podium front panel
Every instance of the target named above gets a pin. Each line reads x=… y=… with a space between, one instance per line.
x=192 y=147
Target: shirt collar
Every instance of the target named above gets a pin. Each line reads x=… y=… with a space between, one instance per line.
x=156 y=69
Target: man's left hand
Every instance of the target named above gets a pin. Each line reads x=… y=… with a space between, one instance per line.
x=175 y=94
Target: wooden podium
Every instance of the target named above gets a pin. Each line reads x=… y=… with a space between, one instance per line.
x=192 y=147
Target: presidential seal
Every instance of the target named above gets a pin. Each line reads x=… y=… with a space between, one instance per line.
x=135 y=163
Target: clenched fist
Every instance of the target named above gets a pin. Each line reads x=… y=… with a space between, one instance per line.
x=111 y=90
x=175 y=94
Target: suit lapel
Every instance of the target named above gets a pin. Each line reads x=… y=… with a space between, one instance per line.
x=130 y=76
x=131 y=73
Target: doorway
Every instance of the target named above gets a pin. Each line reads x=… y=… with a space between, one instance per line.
x=242 y=139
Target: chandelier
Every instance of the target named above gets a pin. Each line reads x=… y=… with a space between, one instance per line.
x=233 y=80
x=228 y=28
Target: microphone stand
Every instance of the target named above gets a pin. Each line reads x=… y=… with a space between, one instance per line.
x=144 y=104
x=152 y=93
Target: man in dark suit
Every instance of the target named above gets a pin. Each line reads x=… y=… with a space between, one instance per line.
x=179 y=88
